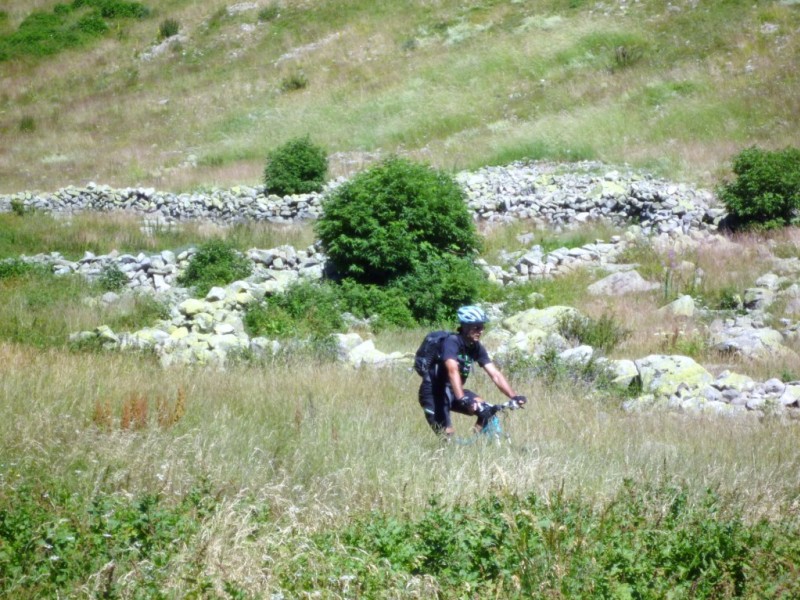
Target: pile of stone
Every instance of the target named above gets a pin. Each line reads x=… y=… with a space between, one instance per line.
x=535 y=263
x=587 y=192
x=277 y=267
x=538 y=191
x=223 y=206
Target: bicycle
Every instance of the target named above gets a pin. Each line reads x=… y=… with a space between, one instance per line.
x=492 y=430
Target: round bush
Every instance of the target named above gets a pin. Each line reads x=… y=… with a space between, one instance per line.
x=296 y=167
x=766 y=192
x=214 y=263
x=390 y=219
x=439 y=286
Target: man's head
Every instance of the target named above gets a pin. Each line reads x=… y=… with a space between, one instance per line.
x=471 y=320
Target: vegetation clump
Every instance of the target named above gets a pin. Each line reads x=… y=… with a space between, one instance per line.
x=112 y=278
x=297 y=80
x=405 y=225
x=603 y=334
x=309 y=309
x=645 y=543
x=214 y=263
x=15 y=267
x=766 y=191
x=389 y=220
x=268 y=13
x=66 y=26
x=168 y=28
x=297 y=167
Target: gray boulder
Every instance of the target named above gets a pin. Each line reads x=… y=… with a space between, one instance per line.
x=621 y=283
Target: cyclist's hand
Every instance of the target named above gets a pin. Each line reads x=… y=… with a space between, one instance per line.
x=521 y=400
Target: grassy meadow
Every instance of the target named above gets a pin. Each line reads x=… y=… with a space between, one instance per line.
x=298 y=477
x=676 y=88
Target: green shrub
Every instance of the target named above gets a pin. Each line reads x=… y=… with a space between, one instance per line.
x=18 y=207
x=305 y=309
x=168 y=28
x=268 y=13
x=15 y=267
x=592 y=378
x=296 y=167
x=27 y=124
x=77 y=534
x=67 y=26
x=116 y=9
x=296 y=80
x=91 y=25
x=214 y=263
x=646 y=541
x=766 y=192
x=603 y=334
x=112 y=278
x=146 y=310
x=36 y=305
x=436 y=288
x=515 y=298
x=390 y=219
x=390 y=305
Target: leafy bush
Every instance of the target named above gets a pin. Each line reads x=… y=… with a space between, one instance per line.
x=168 y=28
x=297 y=80
x=214 y=263
x=146 y=310
x=592 y=378
x=296 y=167
x=116 y=9
x=14 y=267
x=766 y=192
x=77 y=535
x=112 y=278
x=67 y=26
x=315 y=309
x=390 y=219
x=647 y=541
x=268 y=13
x=389 y=305
x=305 y=309
x=18 y=207
x=92 y=25
x=436 y=288
x=603 y=334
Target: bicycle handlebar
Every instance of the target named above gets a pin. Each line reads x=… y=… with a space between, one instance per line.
x=509 y=405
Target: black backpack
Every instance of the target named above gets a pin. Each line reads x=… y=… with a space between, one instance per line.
x=429 y=351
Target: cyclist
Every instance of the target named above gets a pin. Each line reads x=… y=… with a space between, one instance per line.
x=442 y=389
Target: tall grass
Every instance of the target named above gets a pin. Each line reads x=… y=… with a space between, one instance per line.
x=100 y=233
x=278 y=459
x=121 y=477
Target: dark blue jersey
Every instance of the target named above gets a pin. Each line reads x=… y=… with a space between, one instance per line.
x=454 y=347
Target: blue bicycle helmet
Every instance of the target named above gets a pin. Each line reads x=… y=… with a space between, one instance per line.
x=469 y=315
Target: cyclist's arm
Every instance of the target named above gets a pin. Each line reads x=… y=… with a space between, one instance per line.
x=454 y=376
x=499 y=380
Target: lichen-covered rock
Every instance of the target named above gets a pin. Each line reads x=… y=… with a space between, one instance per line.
x=662 y=375
x=621 y=283
x=540 y=319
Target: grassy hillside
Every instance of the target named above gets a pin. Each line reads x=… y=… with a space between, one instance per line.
x=297 y=477
x=676 y=87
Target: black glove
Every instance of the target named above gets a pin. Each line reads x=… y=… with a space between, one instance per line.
x=521 y=400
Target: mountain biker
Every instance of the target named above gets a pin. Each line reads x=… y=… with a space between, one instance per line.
x=442 y=389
